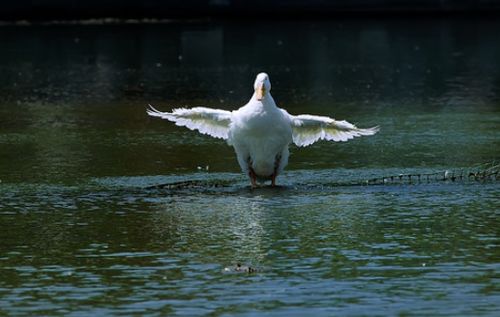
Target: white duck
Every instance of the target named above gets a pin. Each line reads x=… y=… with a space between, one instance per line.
x=260 y=132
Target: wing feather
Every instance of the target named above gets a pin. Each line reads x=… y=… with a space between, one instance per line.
x=308 y=129
x=213 y=122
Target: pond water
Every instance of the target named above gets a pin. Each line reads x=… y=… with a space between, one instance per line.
x=85 y=228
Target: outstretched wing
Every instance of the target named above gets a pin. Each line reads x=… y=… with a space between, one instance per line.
x=213 y=122
x=307 y=129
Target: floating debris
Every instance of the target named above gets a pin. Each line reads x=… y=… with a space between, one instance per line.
x=238 y=268
x=201 y=168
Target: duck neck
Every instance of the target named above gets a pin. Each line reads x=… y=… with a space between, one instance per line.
x=267 y=100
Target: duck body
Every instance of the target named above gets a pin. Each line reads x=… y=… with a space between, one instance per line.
x=260 y=133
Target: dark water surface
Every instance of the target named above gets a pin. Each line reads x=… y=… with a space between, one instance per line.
x=82 y=232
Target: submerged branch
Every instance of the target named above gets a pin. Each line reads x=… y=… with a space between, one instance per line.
x=479 y=173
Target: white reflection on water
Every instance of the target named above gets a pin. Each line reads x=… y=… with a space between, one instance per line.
x=226 y=220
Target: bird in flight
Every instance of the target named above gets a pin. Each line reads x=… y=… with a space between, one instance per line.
x=260 y=132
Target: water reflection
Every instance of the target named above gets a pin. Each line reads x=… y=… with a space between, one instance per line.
x=124 y=250
x=381 y=60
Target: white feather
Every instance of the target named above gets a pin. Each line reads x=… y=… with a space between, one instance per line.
x=308 y=129
x=213 y=122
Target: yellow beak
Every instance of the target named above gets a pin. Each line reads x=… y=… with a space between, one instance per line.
x=260 y=92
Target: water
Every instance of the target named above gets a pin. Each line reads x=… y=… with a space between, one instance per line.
x=84 y=233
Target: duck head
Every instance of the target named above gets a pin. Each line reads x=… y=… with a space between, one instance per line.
x=262 y=86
